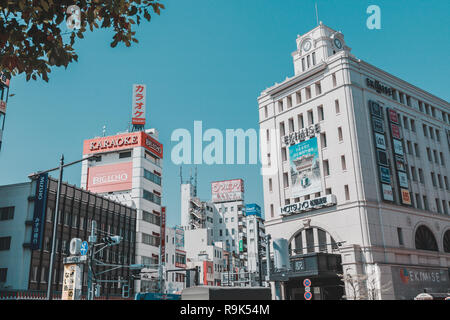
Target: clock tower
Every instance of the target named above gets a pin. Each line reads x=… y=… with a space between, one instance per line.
x=316 y=46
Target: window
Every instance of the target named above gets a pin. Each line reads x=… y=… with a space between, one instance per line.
x=310 y=117
x=405 y=123
x=150 y=239
x=344 y=165
x=444 y=206
x=270 y=185
x=425 y=203
x=429 y=155
x=347 y=192
x=289 y=102
x=418 y=202
x=283 y=154
x=286 y=179
x=152 y=177
x=442 y=159
x=409 y=147
x=323 y=140
x=3 y=273
x=303 y=64
x=425 y=132
x=308 y=93
x=298 y=97
x=151 y=218
x=266 y=114
x=425 y=240
x=318 y=89
x=5 y=243
x=416 y=150
x=282 y=130
x=320 y=112
x=328 y=191
x=340 y=137
x=314 y=58
x=326 y=168
x=431 y=133
x=413 y=173
x=125 y=155
x=413 y=125
x=446 y=182
x=436 y=159
x=438 y=135
x=433 y=179
x=152 y=197
x=280 y=106
x=6 y=213
x=291 y=125
x=271 y=210
x=301 y=125
x=152 y=158
x=308 y=61
x=400 y=236
x=438 y=205
x=421 y=180
x=334 y=80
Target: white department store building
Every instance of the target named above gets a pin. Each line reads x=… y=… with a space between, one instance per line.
x=361 y=159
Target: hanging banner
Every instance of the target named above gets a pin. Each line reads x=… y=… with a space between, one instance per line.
x=40 y=205
x=305 y=168
x=163 y=234
x=139 y=93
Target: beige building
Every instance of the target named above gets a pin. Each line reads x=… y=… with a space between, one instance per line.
x=358 y=167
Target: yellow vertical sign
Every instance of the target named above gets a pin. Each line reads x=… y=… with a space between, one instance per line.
x=68 y=289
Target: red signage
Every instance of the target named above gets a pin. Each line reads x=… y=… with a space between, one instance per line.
x=395 y=129
x=139 y=93
x=229 y=190
x=111 y=177
x=393 y=116
x=122 y=142
x=163 y=234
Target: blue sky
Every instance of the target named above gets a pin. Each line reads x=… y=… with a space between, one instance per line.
x=206 y=60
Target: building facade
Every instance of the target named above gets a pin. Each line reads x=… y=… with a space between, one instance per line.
x=356 y=164
x=174 y=259
x=255 y=237
x=130 y=171
x=26 y=229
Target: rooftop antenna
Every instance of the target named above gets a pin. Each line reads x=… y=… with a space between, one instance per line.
x=181 y=174
x=104 y=130
x=317 y=14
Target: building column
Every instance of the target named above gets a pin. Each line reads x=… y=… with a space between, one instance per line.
x=316 y=239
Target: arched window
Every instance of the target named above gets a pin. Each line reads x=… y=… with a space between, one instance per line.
x=447 y=241
x=307 y=241
x=425 y=239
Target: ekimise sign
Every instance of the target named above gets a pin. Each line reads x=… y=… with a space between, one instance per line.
x=123 y=141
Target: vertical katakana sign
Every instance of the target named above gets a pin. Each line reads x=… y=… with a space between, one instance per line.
x=40 y=204
x=139 y=95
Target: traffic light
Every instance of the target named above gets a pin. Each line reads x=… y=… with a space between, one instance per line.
x=111 y=241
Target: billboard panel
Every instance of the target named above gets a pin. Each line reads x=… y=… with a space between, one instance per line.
x=139 y=93
x=179 y=238
x=388 y=194
x=163 y=234
x=110 y=177
x=305 y=168
x=229 y=190
x=40 y=205
x=253 y=209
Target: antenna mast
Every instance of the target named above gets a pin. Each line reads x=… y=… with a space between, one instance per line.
x=317 y=14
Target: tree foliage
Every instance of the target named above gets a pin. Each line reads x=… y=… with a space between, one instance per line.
x=34 y=35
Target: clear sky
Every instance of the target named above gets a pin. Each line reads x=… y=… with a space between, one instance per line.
x=206 y=60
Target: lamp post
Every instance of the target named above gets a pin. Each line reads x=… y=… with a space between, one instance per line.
x=55 y=220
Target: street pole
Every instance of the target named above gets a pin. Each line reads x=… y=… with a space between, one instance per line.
x=55 y=224
x=90 y=262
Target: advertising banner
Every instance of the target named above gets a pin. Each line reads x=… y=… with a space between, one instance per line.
x=123 y=142
x=380 y=141
x=72 y=282
x=139 y=92
x=40 y=205
x=163 y=234
x=406 y=196
x=110 y=177
x=382 y=157
x=253 y=209
x=403 y=180
x=305 y=168
x=408 y=282
x=385 y=175
x=395 y=130
x=393 y=116
x=179 y=237
x=378 y=125
x=388 y=194
x=229 y=190
x=307 y=205
x=398 y=146
x=400 y=163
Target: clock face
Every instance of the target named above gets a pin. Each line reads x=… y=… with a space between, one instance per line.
x=307 y=45
x=338 y=43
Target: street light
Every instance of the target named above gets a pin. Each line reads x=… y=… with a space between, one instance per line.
x=55 y=224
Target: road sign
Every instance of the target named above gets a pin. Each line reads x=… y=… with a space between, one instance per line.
x=307 y=289
x=74 y=259
x=84 y=248
x=307 y=283
x=308 y=295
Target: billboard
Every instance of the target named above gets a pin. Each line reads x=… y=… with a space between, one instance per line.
x=179 y=237
x=123 y=142
x=40 y=204
x=139 y=93
x=305 y=168
x=253 y=209
x=110 y=177
x=71 y=288
x=229 y=190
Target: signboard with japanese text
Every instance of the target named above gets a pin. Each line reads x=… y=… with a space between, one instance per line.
x=40 y=205
x=406 y=196
x=396 y=132
x=380 y=141
x=72 y=282
x=179 y=237
x=110 y=177
x=305 y=168
x=398 y=146
x=378 y=125
x=385 y=175
x=163 y=234
x=252 y=209
x=229 y=190
x=393 y=116
x=139 y=95
x=307 y=205
x=403 y=179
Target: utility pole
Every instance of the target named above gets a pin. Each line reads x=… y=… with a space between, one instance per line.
x=55 y=225
x=91 y=262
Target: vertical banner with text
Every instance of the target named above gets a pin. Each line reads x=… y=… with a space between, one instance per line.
x=40 y=205
x=139 y=95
